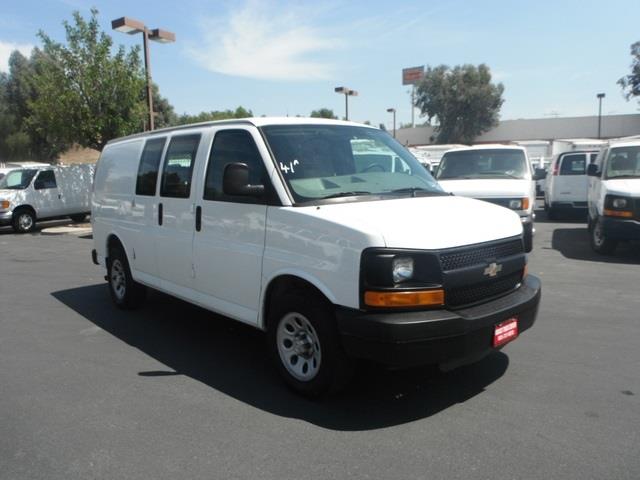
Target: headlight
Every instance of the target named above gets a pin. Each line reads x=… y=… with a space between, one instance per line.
x=619 y=203
x=515 y=204
x=402 y=269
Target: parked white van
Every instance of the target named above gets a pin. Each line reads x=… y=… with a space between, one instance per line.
x=28 y=195
x=614 y=196
x=500 y=174
x=277 y=223
x=567 y=183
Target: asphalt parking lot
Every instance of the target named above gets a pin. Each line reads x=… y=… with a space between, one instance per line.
x=172 y=391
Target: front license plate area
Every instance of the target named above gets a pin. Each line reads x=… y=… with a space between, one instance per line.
x=505 y=332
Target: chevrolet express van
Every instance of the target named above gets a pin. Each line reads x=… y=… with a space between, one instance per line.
x=284 y=224
x=31 y=194
x=499 y=174
x=614 y=196
x=567 y=183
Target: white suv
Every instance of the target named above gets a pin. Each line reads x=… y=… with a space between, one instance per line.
x=614 y=196
x=328 y=235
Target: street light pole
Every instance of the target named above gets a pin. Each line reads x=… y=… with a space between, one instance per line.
x=347 y=92
x=600 y=97
x=131 y=26
x=393 y=110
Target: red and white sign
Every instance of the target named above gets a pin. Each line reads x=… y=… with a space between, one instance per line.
x=412 y=76
x=505 y=332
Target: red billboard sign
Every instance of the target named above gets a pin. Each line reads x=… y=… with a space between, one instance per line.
x=412 y=76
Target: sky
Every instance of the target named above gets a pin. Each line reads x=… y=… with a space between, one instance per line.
x=280 y=57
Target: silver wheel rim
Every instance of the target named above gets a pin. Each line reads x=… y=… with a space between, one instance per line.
x=598 y=239
x=118 y=279
x=25 y=221
x=299 y=346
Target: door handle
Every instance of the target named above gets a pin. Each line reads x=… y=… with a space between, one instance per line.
x=59 y=196
x=159 y=214
x=198 y=218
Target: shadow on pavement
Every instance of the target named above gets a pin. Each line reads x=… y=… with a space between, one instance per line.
x=574 y=243
x=232 y=358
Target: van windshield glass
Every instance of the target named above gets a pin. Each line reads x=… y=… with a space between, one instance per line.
x=624 y=162
x=489 y=163
x=17 y=179
x=333 y=161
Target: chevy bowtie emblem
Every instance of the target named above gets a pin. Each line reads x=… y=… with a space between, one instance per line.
x=493 y=269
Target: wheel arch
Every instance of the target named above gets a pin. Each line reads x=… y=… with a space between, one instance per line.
x=26 y=206
x=289 y=281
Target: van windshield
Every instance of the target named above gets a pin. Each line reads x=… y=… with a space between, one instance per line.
x=17 y=179
x=480 y=163
x=624 y=162
x=333 y=161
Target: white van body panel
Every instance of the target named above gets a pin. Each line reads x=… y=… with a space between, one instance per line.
x=478 y=188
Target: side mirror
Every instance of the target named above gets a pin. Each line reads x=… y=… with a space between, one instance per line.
x=592 y=170
x=235 y=181
x=539 y=174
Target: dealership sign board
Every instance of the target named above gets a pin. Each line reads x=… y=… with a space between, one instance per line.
x=412 y=76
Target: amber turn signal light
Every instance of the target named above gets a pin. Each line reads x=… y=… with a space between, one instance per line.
x=415 y=298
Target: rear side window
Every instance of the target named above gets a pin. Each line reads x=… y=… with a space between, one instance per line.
x=46 y=179
x=573 y=165
x=149 y=166
x=178 y=166
x=233 y=146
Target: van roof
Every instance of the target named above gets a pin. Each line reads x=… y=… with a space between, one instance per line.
x=489 y=146
x=624 y=143
x=255 y=121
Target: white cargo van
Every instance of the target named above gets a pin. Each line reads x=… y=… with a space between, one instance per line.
x=28 y=195
x=567 y=183
x=614 y=196
x=283 y=224
x=500 y=174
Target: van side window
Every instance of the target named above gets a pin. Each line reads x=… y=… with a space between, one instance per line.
x=149 y=166
x=178 y=166
x=233 y=146
x=573 y=165
x=46 y=179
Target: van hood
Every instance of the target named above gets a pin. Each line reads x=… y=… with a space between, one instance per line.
x=10 y=195
x=628 y=187
x=423 y=222
x=488 y=188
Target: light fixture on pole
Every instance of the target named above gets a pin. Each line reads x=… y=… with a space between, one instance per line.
x=600 y=96
x=131 y=27
x=393 y=110
x=347 y=92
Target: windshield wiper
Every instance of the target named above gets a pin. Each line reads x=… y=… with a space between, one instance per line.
x=499 y=174
x=414 y=190
x=346 y=194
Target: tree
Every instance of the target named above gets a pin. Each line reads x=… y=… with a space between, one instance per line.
x=239 y=112
x=631 y=83
x=165 y=115
x=324 y=113
x=85 y=93
x=462 y=99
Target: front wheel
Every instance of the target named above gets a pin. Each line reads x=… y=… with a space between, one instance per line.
x=24 y=221
x=599 y=241
x=305 y=345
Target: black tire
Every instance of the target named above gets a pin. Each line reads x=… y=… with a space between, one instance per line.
x=552 y=213
x=599 y=242
x=125 y=292
x=24 y=220
x=78 y=218
x=334 y=368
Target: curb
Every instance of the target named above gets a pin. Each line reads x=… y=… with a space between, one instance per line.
x=78 y=231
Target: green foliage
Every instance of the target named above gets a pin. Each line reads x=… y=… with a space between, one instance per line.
x=165 y=115
x=324 y=113
x=631 y=83
x=86 y=94
x=462 y=99
x=239 y=112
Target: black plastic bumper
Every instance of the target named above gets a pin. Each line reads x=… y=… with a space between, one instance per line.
x=620 y=229
x=449 y=338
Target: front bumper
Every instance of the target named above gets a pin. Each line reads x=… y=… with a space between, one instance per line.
x=448 y=338
x=620 y=229
x=6 y=218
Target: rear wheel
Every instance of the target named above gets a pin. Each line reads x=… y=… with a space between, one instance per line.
x=305 y=345
x=552 y=213
x=599 y=241
x=24 y=221
x=126 y=293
